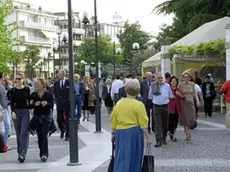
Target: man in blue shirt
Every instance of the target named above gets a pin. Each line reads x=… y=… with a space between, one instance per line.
x=78 y=90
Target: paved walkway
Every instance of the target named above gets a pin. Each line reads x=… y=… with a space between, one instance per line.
x=208 y=151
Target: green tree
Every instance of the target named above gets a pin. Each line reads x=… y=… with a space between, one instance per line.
x=7 y=41
x=31 y=56
x=86 y=50
x=132 y=33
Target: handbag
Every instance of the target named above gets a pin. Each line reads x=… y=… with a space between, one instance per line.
x=148 y=161
x=111 y=163
x=2 y=113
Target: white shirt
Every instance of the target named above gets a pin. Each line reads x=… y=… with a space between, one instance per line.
x=164 y=98
x=197 y=89
x=108 y=88
x=115 y=87
x=62 y=81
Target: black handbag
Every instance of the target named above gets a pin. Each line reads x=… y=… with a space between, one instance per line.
x=148 y=161
x=111 y=163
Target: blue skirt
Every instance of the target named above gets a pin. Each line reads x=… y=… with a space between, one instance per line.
x=129 y=147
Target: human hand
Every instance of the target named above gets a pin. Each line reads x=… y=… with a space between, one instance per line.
x=113 y=137
x=14 y=115
x=31 y=102
x=37 y=103
x=148 y=141
x=44 y=103
x=178 y=94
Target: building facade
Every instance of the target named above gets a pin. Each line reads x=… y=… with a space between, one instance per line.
x=61 y=21
x=35 y=27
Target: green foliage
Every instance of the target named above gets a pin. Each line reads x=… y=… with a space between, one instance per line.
x=31 y=56
x=7 y=41
x=202 y=49
x=132 y=33
x=86 y=50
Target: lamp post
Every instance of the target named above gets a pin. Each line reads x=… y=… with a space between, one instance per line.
x=73 y=126
x=63 y=39
x=98 y=107
x=85 y=21
x=116 y=52
x=49 y=54
x=136 y=47
x=54 y=48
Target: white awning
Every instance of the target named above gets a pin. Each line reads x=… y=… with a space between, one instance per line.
x=50 y=34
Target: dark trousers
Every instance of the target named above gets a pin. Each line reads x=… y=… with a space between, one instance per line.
x=63 y=123
x=148 y=108
x=173 y=122
x=208 y=105
x=42 y=130
x=21 y=125
x=79 y=106
x=161 y=121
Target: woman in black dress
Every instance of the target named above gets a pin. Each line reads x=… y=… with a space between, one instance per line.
x=107 y=97
x=42 y=103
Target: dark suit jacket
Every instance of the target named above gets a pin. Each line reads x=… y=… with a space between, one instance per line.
x=144 y=91
x=62 y=95
x=121 y=93
x=212 y=89
x=105 y=92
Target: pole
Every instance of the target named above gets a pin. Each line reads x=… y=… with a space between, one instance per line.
x=54 y=64
x=59 y=48
x=48 y=65
x=114 y=60
x=73 y=126
x=98 y=108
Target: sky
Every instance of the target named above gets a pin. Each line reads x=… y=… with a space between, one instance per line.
x=131 y=10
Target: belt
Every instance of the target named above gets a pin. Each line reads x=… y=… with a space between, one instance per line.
x=161 y=105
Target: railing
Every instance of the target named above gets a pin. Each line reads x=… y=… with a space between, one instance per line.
x=35 y=39
x=37 y=25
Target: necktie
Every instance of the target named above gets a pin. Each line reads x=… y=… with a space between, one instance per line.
x=62 y=84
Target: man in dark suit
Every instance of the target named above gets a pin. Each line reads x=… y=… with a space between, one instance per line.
x=144 y=91
x=79 y=88
x=61 y=92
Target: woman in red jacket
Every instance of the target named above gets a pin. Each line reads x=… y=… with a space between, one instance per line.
x=226 y=90
x=175 y=108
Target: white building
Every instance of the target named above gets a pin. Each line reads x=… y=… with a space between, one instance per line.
x=35 y=27
x=114 y=28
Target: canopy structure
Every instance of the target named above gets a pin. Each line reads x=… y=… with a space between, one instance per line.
x=207 y=32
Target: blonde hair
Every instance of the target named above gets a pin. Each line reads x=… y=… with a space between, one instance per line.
x=132 y=87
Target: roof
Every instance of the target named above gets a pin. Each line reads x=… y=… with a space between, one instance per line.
x=207 y=32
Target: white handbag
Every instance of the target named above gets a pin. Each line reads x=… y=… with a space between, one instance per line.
x=2 y=128
x=2 y=112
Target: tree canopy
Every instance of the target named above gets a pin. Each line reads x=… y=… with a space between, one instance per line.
x=189 y=15
x=86 y=50
x=7 y=42
x=132 y=33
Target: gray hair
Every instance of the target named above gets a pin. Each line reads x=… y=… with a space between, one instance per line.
x=132 y=87
x=108 y=81
x=77 y=75
x=62 y=71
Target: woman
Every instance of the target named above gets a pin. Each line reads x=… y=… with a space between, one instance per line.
x=129 y=121
x=175 y=108
x=88 y=97
x=107 y=97
x=21 y=116
x=42 y=103
x=188 y=116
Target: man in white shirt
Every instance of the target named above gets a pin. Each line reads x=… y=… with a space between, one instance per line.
x=160 y=93
x=117 y=84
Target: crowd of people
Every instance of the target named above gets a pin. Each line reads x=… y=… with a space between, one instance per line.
x=153 y=103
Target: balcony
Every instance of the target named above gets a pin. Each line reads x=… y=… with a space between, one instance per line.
x=76 y=43
x=37 y=40
x=40 y=26
x=75 y=30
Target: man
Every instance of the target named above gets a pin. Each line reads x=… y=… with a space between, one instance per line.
x=3 y=103
x=144 y=91
x=116 y=85
x=79 y=87
x=167 y=77
x=197 y=80
x=160 y=93
x=61 y=92
x=226 y=90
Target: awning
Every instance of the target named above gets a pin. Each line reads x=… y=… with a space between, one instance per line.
x=50 y=34
x=155 y=60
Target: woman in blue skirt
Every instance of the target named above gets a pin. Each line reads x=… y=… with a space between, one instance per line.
x=129 y=123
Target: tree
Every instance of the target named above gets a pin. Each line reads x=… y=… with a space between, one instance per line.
x=31 y=56
x=132 y=33
x=7 y=41
x=86 y=50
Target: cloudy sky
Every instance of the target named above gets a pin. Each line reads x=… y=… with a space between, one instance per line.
x=132 y=10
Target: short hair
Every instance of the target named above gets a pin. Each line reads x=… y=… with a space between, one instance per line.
x=43 y=81
x=132 y=87
x=118 y=76
x=77 y=75
x=20 y=74
x=63 y=71
x=167 y=75
x=1 y=75
x=174 y=77
x=108 y=81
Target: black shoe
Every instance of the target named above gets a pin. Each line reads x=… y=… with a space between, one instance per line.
x=158 y=144
x=21 y=158
x=44 y=158
x=78 y=121
x=66 y=139
x=53 y=131
x=62 y=135
x=164 y=142
x=171 y=136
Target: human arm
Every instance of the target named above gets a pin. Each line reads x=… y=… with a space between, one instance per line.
x=113 y=121
x=141 y=88
x=49 y=101
x=150 y=95
x=112 y=91
x=171 y=96
x=224 y=88
x=180 y=94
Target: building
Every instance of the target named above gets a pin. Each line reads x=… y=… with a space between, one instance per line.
x=114 y=28
x=35 y=27
x=61 y=21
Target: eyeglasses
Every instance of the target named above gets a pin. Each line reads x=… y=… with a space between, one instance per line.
x=18 y=79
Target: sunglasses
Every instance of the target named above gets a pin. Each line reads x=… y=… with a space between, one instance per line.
x=186 y=77
x=18 y=79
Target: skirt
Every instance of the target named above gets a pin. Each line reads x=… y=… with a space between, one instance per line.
x=129 y=147
x=188 y=115
x=108 y=101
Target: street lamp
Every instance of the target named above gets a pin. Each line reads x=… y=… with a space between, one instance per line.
x=62 y=38
x=54 y=47
x=136 y=46
x=85 y=21
x=73 y=126
x=116 y=52
x=49 y=54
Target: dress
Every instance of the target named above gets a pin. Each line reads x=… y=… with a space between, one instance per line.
x=188 y=116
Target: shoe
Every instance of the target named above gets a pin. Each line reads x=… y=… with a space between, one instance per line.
x=188 y=137
x=66 y=139
x=62 y=135
x=164 y=142
x=44 y=158
x=158 y=144
x=21 y=158
x=52 y=131
x=9 y=147
x=78 y=121
x=171 y=136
